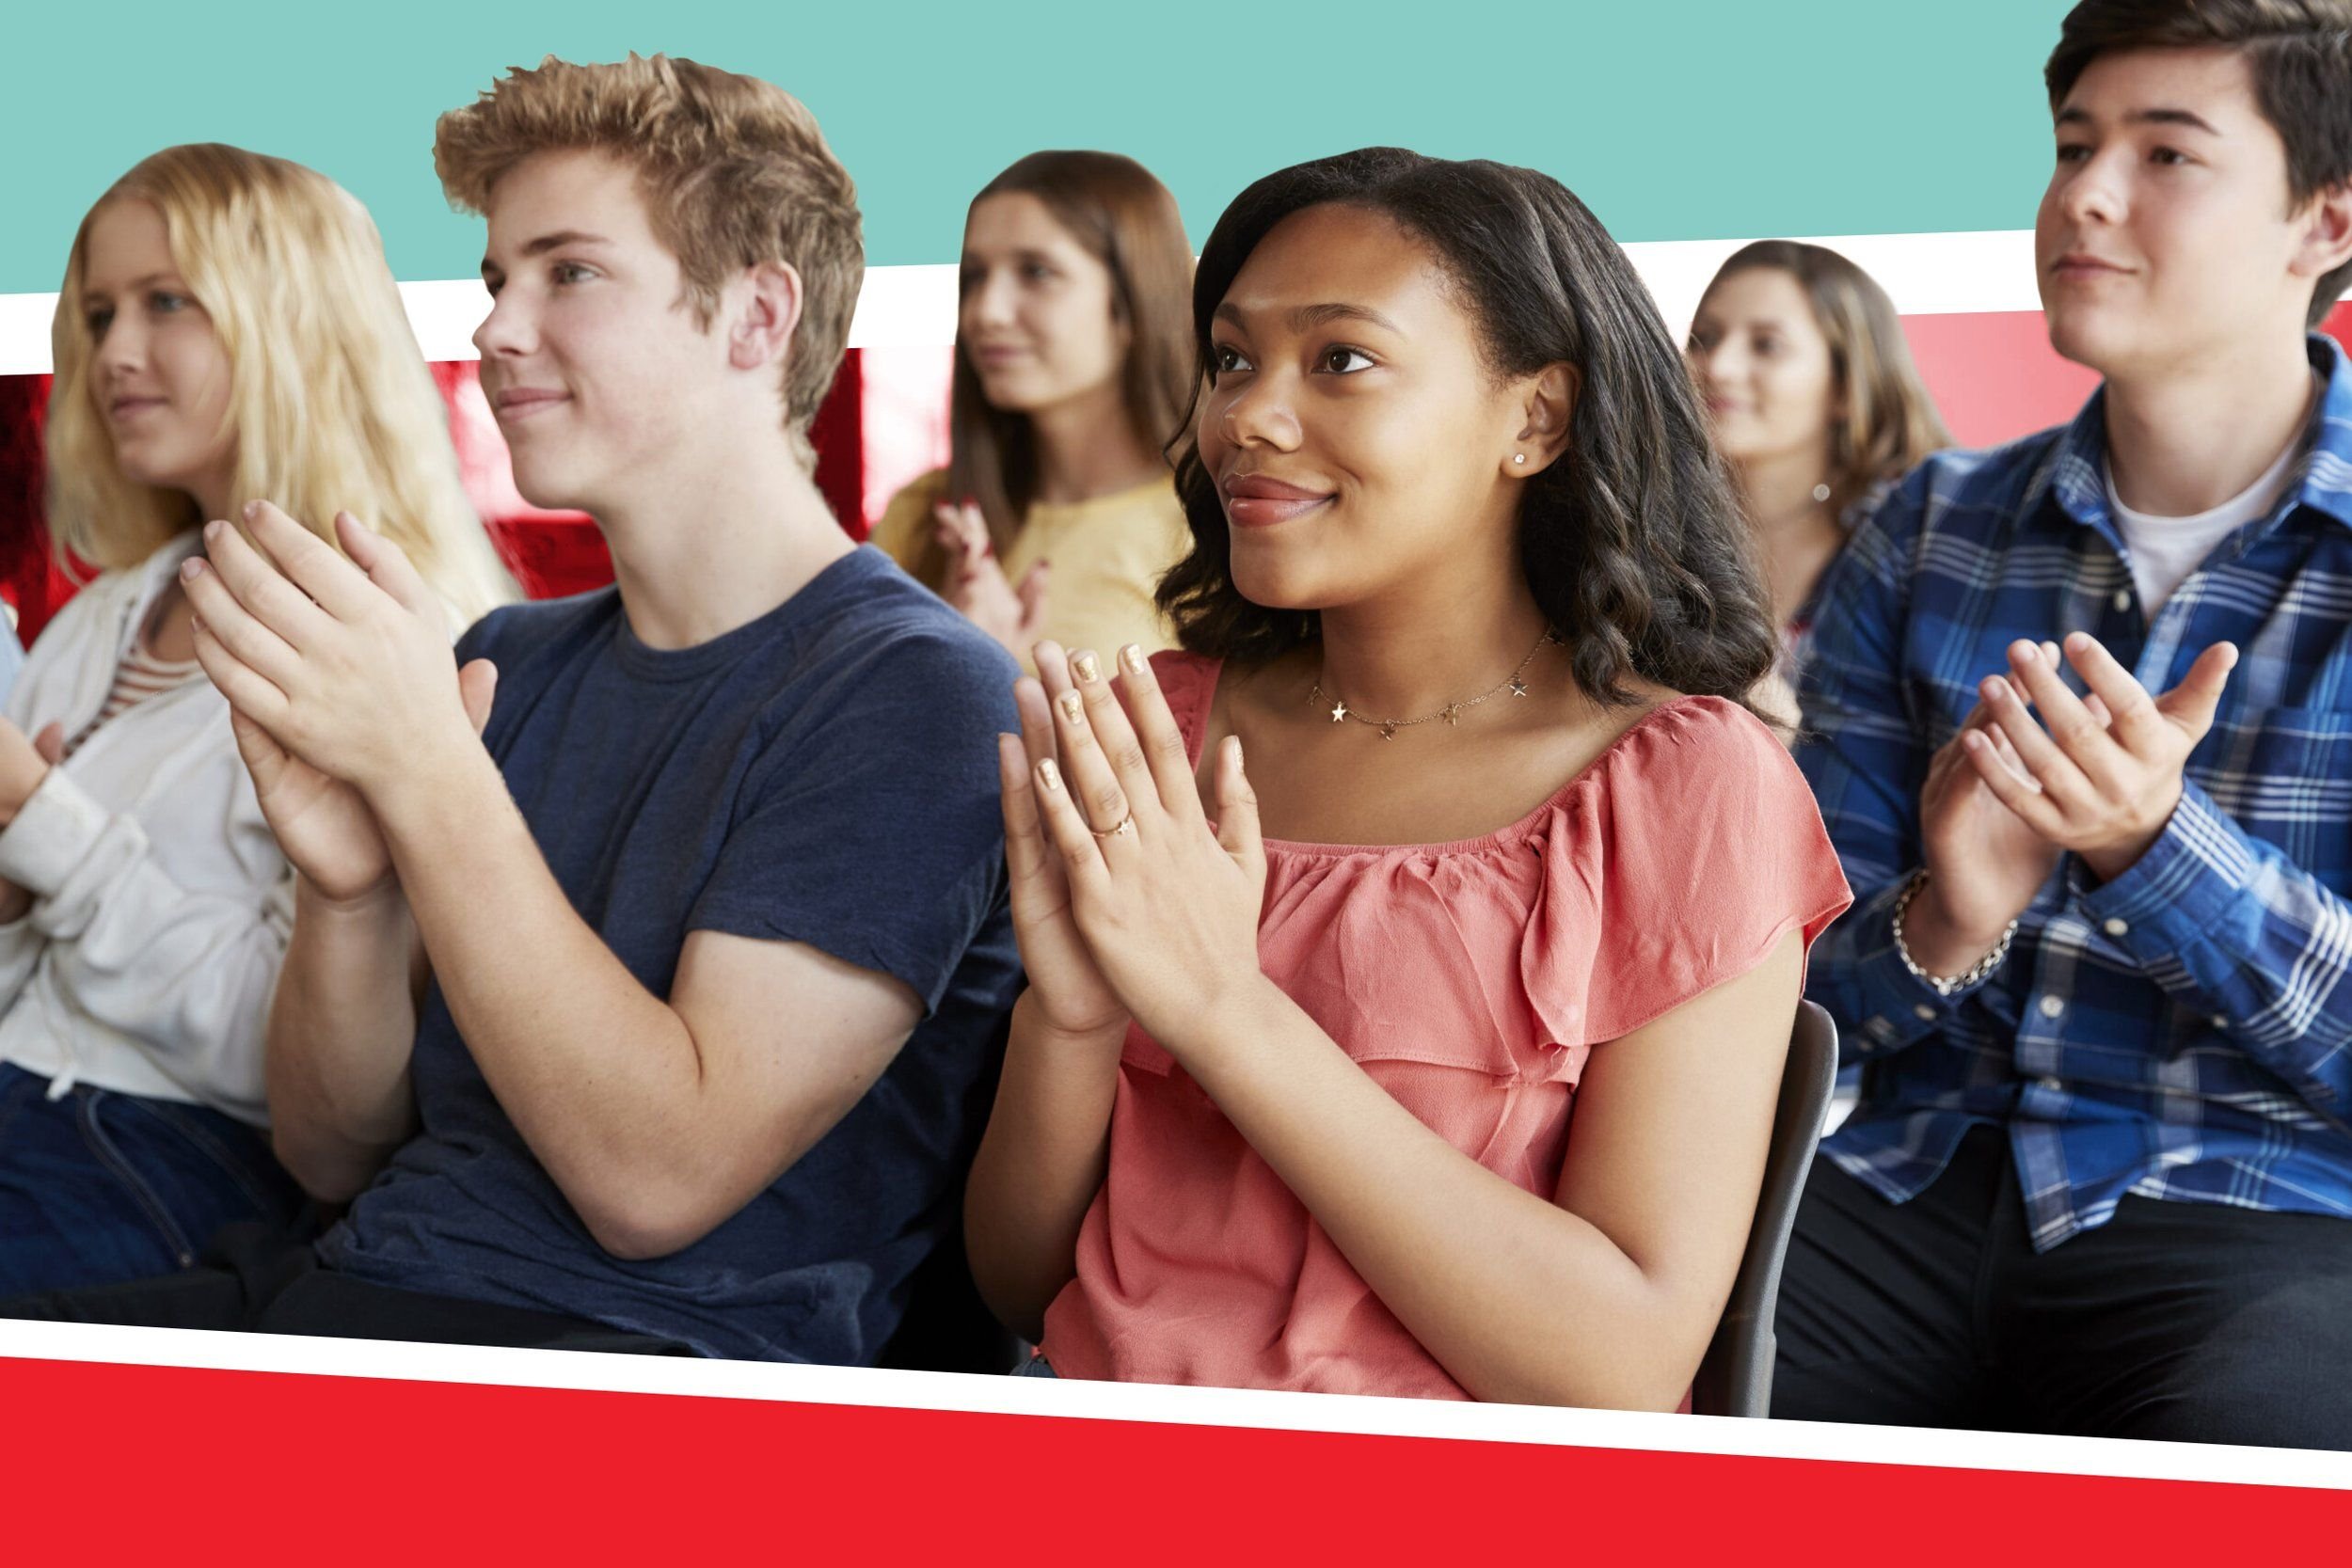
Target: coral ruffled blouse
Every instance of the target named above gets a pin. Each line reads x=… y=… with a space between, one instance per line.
x=1471 y=980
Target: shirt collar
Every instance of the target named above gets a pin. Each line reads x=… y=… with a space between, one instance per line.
x=2076 y=474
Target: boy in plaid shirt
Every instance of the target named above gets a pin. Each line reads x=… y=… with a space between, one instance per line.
x=2080 y=723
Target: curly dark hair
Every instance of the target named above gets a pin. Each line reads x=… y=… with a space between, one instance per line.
x=1633 y=543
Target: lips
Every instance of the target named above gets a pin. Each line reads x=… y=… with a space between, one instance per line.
x=2081 y=263
x=125 y=408
x=1256 y=500
x=519 y=403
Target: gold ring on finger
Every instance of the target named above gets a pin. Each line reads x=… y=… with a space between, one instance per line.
x=1123 y=828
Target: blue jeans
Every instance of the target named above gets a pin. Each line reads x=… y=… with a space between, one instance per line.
x=98 y=1186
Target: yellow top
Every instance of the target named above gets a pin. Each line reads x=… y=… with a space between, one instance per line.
x=1108 y=555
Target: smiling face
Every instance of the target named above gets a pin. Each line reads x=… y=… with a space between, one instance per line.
x=159 y=376
x=603 y=382
x=1354 y=434
x=1036 y=320
x=1763 y=366
x=2167 y=232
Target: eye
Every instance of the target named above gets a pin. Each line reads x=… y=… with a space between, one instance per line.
x=164 y=302
x=1339 y=359
x=2168 y=155
x=1768 y=346
x=98 y=319
x=2072 y=152
x=1224 y=357
x=570 y=272
x=967 y=279
x=1036 y=272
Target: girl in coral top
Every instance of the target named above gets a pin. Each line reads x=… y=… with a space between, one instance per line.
x=1287 y=1104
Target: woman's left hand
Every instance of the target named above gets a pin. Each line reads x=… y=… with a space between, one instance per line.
x=1167 y=901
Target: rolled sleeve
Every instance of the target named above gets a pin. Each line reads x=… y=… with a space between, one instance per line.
x=51 y=834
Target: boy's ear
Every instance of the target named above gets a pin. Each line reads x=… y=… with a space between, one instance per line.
x=2327 y=242
x=766 y=309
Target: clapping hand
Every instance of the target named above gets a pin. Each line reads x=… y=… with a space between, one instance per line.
x=1165 y=903
x=976 y=584
x=2101 y=779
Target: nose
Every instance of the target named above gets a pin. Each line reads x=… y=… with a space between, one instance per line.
x=2092 y=193
x=509 y=330
x=1258 y=412
x=121 y=348
x=992 y=300
x=1718 y=366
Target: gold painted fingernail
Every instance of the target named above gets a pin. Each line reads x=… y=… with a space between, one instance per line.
x=1049 y=774
x=1073 y=707
x=1132 y=657
x=1085 y=667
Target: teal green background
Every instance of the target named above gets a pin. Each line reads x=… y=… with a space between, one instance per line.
x=1702 y=119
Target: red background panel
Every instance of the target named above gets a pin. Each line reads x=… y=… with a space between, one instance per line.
x=174 y=1465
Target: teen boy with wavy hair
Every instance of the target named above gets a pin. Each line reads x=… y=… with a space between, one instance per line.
x=2084 y=708
x=713 y=911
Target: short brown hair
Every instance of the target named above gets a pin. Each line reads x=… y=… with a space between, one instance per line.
x=2300 y=53
x=733 y=170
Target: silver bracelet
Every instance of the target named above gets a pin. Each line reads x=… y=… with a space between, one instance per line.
x=1975 y=973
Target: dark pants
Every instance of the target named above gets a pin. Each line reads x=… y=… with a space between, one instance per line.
x=98 y=1186
x=2190 y=1322
x=253 y=1281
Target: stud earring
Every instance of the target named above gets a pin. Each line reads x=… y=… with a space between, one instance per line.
x=1519 y=457
x=1820 y=491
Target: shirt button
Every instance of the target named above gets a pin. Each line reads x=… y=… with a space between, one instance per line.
x=1927 y=1014
x=2219 y=1022
x=2052 y=1006
x=2052 y=1085
x=2122 y=598
x=2115 y=928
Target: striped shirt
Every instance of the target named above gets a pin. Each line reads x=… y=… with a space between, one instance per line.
x=139 y=676
x=2182 y=1032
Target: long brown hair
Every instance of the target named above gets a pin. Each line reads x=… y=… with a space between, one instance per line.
x=1127 y=220
x=1888 y=421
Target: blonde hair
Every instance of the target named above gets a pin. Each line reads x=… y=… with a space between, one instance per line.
x=330 y=404
x=733 y=171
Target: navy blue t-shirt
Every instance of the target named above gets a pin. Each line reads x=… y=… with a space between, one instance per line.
x=827 y=775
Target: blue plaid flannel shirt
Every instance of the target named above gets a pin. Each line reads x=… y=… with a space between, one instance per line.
x=2183 y=1032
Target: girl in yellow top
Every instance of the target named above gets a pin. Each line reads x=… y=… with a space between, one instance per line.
x=1056 y=513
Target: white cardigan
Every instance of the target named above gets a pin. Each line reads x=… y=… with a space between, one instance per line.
x=161 y=904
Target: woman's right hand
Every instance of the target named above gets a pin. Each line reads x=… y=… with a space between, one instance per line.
x=1067 y=988
x=323 y=826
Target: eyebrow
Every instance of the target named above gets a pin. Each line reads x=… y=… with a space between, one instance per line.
x=1306 y=318
x=2144 y=117
x=137 y=283
x=1019 y=253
